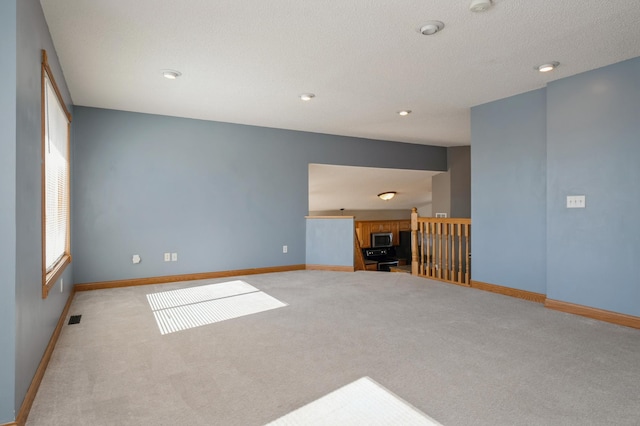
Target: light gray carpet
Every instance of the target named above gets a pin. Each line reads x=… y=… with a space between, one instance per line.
x=462 y=356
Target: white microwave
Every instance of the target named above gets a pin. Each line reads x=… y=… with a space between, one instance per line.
x=381 y=239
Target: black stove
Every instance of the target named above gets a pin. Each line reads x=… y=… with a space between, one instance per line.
x=385 y=257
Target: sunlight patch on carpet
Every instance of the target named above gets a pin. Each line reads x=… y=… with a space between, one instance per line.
x=363 y=402
x=203 y=293
x=182 y=309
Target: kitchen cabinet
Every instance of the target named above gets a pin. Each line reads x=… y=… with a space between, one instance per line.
x=365 y=228
x=371 y=266
x=381 y=226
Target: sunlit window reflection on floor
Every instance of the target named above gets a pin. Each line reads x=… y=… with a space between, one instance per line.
x=363 y=402
x=182 y=309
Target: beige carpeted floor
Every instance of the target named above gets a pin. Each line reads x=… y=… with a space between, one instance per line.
x=462 y=356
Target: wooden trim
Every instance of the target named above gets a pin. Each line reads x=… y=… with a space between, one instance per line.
x=408 y=219
x=184 y=277
x=508 y=291
x=25 y=408
x=330 y=268
x=50 y=278
x=43 y=173
x=329 y=217
x=594 y=313
x=452 y=220
x=45 y=67
x=444 y=280
x=9 y=424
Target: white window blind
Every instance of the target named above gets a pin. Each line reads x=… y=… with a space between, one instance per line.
x=56 y=178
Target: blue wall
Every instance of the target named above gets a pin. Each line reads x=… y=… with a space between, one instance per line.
x=35 y=318
x=330 y=242
x=223 y=196
x=589 y=126
x=8 y=209
x=594 y=149
x=508 y=184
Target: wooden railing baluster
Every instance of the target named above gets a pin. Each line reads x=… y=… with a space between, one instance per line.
x=459 y=239
x=467 y=257
x=421 y=245
x=426 y=242
x=439 y=227
x=447 y=257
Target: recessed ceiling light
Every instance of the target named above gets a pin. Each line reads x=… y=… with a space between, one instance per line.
x=431 y=27
x=404 y=112
x=171 y=74
x=547 y=67
x=480 y=5
x=307 y=96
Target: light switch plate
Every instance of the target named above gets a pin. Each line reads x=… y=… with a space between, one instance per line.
x=576 y=201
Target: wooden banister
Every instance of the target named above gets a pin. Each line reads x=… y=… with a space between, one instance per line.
x=414 y=241
x=440 y=248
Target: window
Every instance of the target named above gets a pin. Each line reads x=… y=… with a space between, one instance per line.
x=56 y=121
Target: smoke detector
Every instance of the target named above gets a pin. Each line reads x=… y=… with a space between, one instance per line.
x=431 y=27
x=480 y=5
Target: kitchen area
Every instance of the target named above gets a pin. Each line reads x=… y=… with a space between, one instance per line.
x=380 y=235
x=385 y=244
x=341 y=243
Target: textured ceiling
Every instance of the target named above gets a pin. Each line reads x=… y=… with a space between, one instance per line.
x=246 y=61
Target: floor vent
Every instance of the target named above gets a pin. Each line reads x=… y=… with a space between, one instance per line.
x=75 y=319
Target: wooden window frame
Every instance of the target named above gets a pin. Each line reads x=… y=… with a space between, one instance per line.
x=50 y=277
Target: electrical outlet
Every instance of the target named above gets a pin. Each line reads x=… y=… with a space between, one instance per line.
x=167 y=257
x=174 y=257
x=61 y=285
x=285 y=249
x=135 y=259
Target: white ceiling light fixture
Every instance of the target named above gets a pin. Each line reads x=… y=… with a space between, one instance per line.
x=307 y=96
x=431 y=27
x=480 y=5
x=547 y=67
x=171 y=74
x=404 y=112
x=386 y=196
